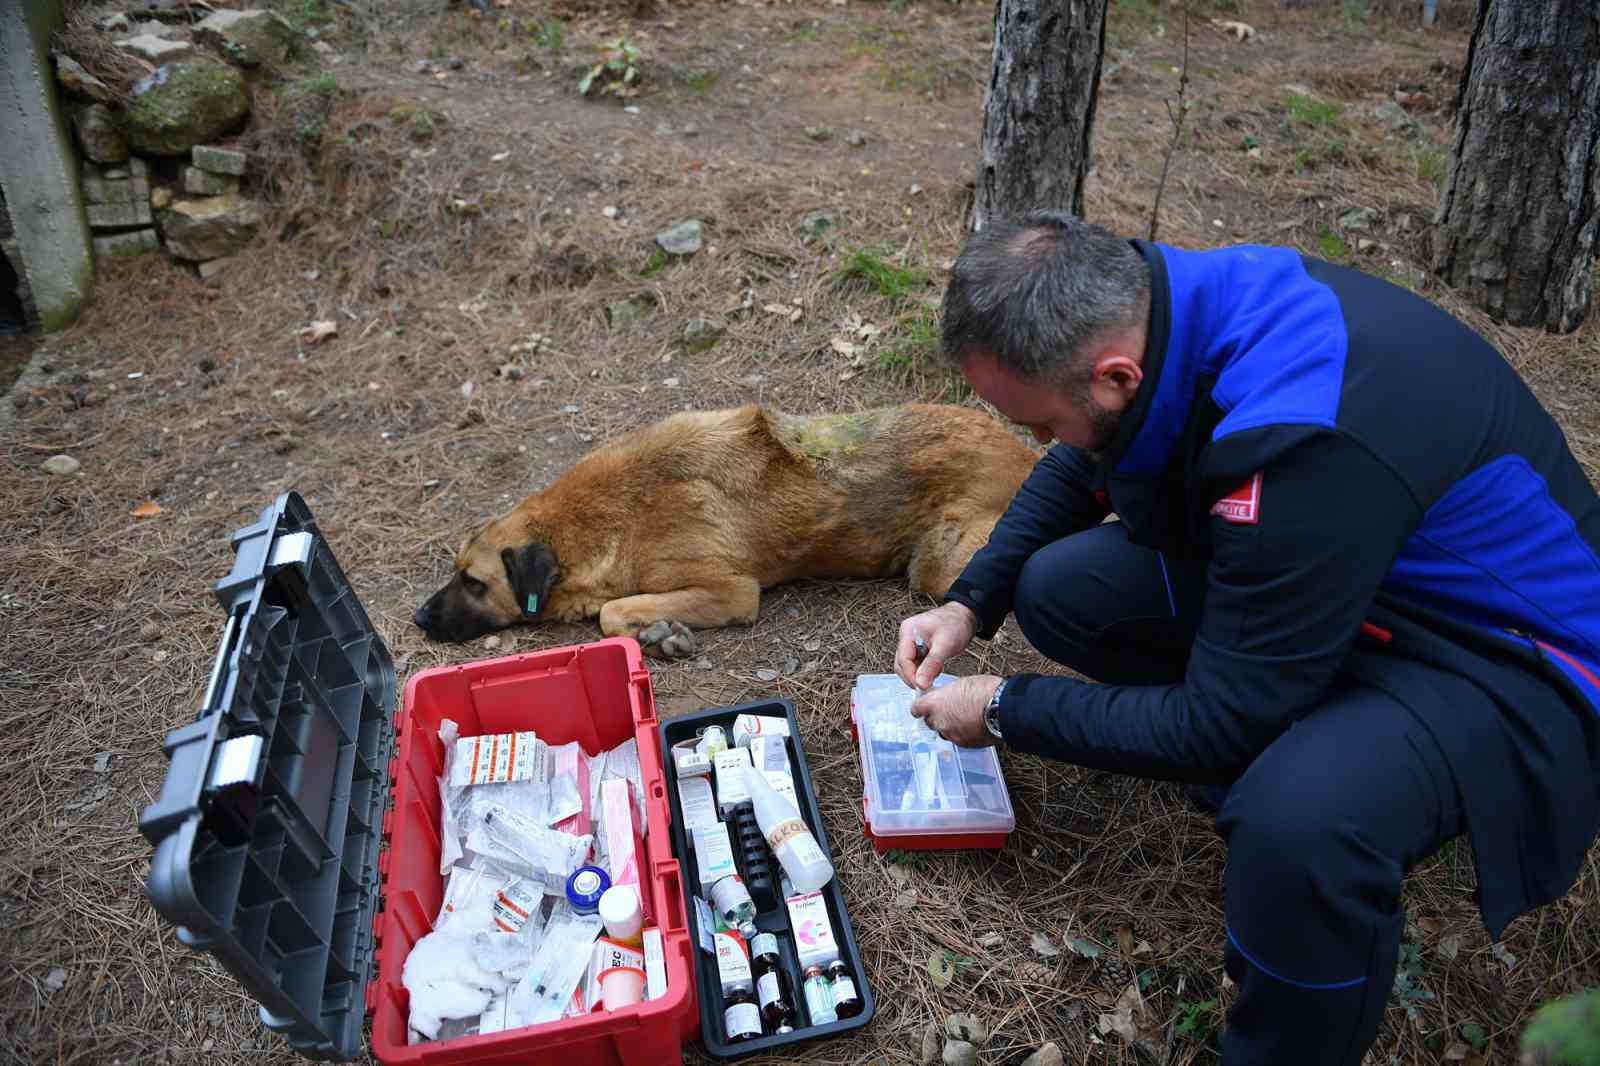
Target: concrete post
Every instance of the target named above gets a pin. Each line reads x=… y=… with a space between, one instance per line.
x=39 y=166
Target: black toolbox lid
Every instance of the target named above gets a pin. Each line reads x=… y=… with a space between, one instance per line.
x=269 y=822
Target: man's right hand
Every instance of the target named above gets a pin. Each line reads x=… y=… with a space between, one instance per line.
x=944 y=633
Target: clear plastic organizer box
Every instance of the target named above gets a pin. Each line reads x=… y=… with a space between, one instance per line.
x=921 y=791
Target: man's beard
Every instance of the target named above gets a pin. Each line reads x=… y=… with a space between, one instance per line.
x=1103 y=426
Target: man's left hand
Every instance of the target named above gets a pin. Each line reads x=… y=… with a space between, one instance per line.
x=955 y=711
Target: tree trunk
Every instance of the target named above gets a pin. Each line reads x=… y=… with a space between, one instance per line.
x=1516 y=223
x=1040 y=107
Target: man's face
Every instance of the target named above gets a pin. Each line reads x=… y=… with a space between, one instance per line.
x=1048 y=411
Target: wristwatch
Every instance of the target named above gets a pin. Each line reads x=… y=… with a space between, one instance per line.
x=991 y=712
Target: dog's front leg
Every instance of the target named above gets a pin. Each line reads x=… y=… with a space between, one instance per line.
x=661 y=621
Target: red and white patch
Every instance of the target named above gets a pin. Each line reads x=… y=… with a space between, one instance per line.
x=1242 y=505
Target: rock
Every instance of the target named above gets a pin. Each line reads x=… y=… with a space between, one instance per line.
x=166 y=10
x=248 y=38
x=116 y=245
x=75 y=79
x=966 y=1027
x=625 y=314
x=702 y=334
x=184 y=104
x=211 y=228
x=816 y=223
x=153 y=49
x=199 y=182
x=62 y=464
x=160 y=196
x=56 y=979
x=855 y=138
x=214 y=271
x=689 y=131
x=1391 y=114
x=959 y=1053
x=1048 y=1055
x=118 y=216
x=106 y=187
x=930 y=1045
x=322 y=48
x=1358 y=218
x=98 y=134
x=217 y=160
x=113 y=23
x=819 y=133
x=682 y=239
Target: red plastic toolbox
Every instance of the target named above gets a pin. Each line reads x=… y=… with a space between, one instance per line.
x=598 y=695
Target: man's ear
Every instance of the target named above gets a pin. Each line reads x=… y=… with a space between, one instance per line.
x=532 y=570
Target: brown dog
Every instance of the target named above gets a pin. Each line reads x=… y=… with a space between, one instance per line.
x=682 y=523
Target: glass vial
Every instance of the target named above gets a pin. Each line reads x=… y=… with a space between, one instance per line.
x=846 y=1000
x=772 y=984
x=819 y=997
x=741 y=1018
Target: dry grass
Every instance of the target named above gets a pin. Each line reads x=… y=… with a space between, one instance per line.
x=437 y=260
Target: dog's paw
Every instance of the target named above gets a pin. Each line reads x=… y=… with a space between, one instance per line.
x=668 y=640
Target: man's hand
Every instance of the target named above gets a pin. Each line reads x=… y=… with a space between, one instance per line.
x=943 y=632
x=955 y=711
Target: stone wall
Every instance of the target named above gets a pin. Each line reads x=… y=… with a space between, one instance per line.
x=155 y=174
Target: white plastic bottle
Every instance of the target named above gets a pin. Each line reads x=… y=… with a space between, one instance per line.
x=787 y=835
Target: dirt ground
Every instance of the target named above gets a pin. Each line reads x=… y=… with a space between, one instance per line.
x=469 y=235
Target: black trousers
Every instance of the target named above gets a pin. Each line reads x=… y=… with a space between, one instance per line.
x=1321 y=827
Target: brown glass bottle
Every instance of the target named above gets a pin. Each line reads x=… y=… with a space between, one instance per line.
x=846 y=1000
x=772 y=984
x=741 y=1017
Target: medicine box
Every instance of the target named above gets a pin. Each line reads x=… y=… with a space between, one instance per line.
x=923 y=793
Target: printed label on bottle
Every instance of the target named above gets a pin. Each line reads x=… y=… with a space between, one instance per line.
x=786 y=830
x=767 y=988
x=844 y=991
x=743 y=1019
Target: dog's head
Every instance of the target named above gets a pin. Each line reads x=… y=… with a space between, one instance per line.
x=502 y=578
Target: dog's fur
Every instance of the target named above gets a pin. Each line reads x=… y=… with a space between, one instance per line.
x=682 y=523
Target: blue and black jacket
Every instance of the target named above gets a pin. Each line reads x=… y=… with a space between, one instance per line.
x=1376 y=492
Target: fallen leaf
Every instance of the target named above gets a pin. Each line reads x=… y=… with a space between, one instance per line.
x=812 y=645
x=1504 y=956
x=1044 y=946
x=1242 y=30
x=1086 y=949
x=1125 y=940
x=941 y=971
x=1143 y=948
x=1456 y=1052
x=500 y=157
x=991 y=940
x=147 y=509
x=842 y=346
x=907 y=899
x=1132 y=1020
x=318 y=332
x=1450 y=947
x=777 y=309
x=1431 y=926
x=56 y=979
x=767 y=675
x=899 y=875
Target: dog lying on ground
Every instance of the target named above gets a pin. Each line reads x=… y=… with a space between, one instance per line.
x=679 y=525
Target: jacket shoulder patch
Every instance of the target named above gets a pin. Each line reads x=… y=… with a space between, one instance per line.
x=1242 y=505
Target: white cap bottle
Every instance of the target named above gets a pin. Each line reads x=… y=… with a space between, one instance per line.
x=622 y=915
x=787 y=835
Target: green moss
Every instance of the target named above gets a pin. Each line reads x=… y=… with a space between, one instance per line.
x=183 y=104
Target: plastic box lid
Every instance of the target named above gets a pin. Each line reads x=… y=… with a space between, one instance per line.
x=269 y=822
x=918 y=783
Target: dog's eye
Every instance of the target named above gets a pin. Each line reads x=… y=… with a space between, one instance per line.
x=473 y=585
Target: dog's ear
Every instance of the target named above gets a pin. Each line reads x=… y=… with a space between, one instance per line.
x=532 y=570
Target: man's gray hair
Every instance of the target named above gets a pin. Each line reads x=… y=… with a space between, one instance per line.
x=1033 y=291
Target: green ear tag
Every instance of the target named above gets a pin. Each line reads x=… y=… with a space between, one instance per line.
x=533 y=603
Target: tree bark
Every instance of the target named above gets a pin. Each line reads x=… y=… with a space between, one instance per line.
x=1039 y=113
x=1515 y=227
